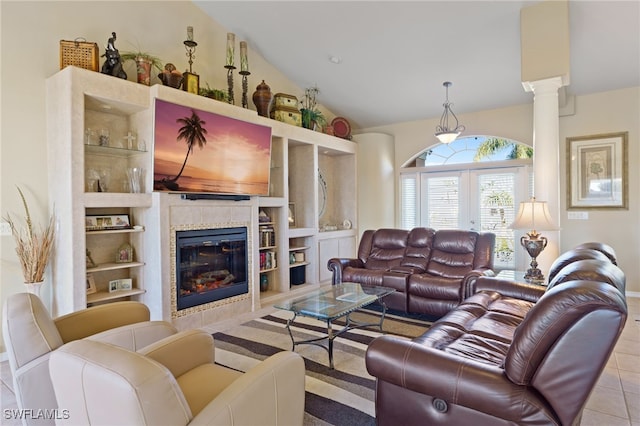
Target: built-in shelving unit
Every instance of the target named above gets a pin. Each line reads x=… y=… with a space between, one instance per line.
x=312 y=175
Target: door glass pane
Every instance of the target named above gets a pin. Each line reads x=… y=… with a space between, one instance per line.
x=441 y=195
x=497 y=211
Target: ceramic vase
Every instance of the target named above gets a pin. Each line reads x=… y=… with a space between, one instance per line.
x=262 y=98
x=34 y=287
x=143 y=68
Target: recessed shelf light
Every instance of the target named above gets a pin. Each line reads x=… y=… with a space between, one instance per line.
x=105 y=106
x=335 y=59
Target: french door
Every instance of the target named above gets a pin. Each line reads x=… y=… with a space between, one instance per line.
x=476 y=199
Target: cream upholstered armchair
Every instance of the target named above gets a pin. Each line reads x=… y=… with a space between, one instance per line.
x=30 y=335
x=174 y=381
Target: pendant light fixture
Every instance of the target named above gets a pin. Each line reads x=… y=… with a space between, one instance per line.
x=443 y=132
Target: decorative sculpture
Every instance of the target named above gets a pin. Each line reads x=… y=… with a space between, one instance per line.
x=113 y=64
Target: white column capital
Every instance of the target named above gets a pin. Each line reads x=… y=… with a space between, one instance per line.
x=545 y=85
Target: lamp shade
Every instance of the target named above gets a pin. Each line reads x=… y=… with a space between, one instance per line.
x=534 y=215
x=447 y=137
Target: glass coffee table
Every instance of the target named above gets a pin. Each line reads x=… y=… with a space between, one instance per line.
x=331 y=303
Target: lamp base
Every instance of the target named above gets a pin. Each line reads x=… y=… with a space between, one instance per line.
x=534 y=276
x=534 y=244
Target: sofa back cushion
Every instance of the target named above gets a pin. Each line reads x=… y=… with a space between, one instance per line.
x=383 y=249
x=419 y=246
x=603 y=248
x=590 y=270
x=453 y=253
x=571 y=256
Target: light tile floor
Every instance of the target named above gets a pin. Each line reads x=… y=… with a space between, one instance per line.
x=615 y=400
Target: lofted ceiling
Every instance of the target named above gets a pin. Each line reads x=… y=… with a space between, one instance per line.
x=394 y=56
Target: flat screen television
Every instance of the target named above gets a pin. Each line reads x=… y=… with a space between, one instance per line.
x=198 y=151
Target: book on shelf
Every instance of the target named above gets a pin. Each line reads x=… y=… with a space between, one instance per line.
x=268 y=260
x=267 y=236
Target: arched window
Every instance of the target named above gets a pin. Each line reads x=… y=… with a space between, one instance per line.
x=471 y=149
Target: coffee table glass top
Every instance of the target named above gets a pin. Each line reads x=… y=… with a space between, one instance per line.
x=334 y=301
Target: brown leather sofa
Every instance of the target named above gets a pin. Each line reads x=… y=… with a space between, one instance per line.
x=511 y=353
x=430 y=270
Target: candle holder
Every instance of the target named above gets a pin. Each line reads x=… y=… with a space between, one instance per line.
x=245 y=88
x=191 y=80
x=230 y=69
x=190 y=46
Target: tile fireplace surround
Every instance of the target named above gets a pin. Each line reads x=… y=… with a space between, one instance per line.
x=170 y=213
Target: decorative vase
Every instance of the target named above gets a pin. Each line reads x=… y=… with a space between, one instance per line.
x=264 y=283
x=34 y=287
x=143 y=68
x=262 y=98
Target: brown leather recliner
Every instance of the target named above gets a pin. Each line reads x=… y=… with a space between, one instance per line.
x=510 y=354
x=430 y=270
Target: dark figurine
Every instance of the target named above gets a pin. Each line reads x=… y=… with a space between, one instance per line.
x=113 y=65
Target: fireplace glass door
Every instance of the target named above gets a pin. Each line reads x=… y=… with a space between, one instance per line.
x=211 y=265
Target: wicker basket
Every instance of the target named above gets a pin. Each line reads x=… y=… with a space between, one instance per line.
x=79 y=53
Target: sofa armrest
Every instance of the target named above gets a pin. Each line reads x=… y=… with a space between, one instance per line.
x=438 y=374
x=272 y=392
x=183 y=351
x=86 y=322
x=469 y=280
x=517 y=290
x=337 y=265
x=136 y=336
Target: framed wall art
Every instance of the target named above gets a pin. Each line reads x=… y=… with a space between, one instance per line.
x=597 y=172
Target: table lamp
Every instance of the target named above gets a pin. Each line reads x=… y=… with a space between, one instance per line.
x=533 y=215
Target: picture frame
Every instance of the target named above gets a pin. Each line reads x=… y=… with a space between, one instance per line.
x=122 y=284
x=292 y=215
x=125 y=284
x=597 y=172
x=107 y=222
x=124 y=254
x=91 y=284
x=191 y=82
x=113 y=286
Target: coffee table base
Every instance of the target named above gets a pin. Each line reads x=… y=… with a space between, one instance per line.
x=331 y=335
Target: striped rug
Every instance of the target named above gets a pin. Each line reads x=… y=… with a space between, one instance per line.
x=342 y=396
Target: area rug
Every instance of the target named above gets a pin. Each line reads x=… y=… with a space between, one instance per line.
x=342 y=396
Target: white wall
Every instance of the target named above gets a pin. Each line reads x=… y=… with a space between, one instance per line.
x=607 y=112
x=30 y=35
x=376 y=181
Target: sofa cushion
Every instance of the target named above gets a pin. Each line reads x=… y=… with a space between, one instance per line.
x=387 y=249
x=418 y=252
x=452 y=253
x=434 y=287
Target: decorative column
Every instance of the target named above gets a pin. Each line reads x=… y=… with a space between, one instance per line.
x=546 y=157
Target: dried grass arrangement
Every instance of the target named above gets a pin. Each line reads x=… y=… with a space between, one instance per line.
x=33 y=245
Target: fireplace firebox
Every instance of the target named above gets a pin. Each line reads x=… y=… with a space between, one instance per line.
x=211 y=265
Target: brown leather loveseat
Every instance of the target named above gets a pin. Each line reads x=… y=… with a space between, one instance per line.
x=509 y=354
x=430 y=270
